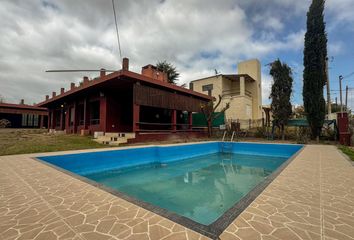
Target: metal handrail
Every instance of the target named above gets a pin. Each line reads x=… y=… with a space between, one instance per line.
x=223 y=138
x=232 y=137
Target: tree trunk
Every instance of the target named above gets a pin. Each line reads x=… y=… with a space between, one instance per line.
x=282 y=132
x=210 y=129
x=318 y=139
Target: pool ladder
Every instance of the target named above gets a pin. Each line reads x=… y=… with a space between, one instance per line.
x=226 y=147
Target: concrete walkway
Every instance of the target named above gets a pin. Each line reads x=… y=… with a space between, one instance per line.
x=313 y=198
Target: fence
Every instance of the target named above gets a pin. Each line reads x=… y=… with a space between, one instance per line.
x=237 y=124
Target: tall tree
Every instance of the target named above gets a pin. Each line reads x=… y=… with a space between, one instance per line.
x=281 y=94
x=171 y=71
x=315 y=54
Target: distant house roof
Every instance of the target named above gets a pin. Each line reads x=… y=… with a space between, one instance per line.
x=232 y=77
x=22 y=108
x=116 y=76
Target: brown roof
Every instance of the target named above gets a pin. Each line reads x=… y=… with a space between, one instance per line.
x=128 y=74
x=22 y=106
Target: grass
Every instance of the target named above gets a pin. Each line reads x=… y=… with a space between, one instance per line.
x=348 y=151
x=21 y=141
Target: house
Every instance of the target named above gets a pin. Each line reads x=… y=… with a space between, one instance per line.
x=243 y=91
x=23 y=115
x=143 y=105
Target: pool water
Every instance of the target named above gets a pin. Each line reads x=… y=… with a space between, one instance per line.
x=201 y=188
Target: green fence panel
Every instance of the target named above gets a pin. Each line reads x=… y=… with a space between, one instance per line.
x=199 y=120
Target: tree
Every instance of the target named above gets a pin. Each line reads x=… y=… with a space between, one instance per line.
x=315 y=54
x=208 y=111
x=281 y=94
x=172 y=74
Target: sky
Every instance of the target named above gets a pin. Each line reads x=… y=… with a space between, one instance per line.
x=196 y=36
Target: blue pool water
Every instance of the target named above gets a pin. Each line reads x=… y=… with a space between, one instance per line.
x=198 y=181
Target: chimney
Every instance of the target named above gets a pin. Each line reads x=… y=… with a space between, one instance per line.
x=125 y=64
x=152 y=72
x=72 y=86
x=54 y=94
x=46 y=97
x=62 y=90
x=86 y=80
x=102 y=72
x=22 y=102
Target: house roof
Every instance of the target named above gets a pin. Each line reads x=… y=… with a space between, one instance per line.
x=231 y=77
x=119 y=75
x=22 y=106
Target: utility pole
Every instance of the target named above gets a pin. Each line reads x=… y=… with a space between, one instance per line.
x=346 y=98
x=329 y=104
x=340 y=93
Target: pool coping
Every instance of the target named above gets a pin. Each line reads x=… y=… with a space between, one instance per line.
x=213 y=230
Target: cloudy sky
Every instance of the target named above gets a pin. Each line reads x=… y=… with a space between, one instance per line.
x=197 y=36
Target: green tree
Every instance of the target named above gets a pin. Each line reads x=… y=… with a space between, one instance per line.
x=281 y=94
x=171 y=71
x=315 y=54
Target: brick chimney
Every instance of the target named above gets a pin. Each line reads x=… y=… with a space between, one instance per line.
x=85 y=80
x=54 y=94
x=62 y=90
x=22 y=102
x=72 y=86
x=152 y=72
x=46 y=97
x=102 y=72
x=125 y=64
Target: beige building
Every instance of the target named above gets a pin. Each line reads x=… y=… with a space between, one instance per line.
x=243 y=91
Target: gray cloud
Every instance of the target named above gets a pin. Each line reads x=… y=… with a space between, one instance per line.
x=196 y=35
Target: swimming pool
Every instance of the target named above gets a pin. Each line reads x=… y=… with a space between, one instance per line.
x=193 y=183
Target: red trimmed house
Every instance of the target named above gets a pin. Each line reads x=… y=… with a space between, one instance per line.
x=125 y=102
x=23 y=115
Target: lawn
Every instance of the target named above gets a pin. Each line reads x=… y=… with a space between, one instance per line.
x=20 y=141
x=348 y=151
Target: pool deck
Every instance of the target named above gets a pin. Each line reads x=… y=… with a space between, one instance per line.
x=312 y=198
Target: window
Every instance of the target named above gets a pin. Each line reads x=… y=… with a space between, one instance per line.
x=35 y=120
x=208 y=88
x=24 y=120
x=30 y=120
x=71 y=116
x=95 y=112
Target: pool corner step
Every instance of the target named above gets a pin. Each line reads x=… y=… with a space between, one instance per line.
x=114 y=138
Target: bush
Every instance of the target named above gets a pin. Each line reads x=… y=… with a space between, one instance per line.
x=303 y=135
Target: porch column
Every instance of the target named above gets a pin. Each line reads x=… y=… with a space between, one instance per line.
x=75 y=118
x=103 y=113
x=67 y=119
x=53 y=119
x=86 y=120
x=242 y=86
x=41 y=122
x=50 y=116
x=136 y=117
x=190 y=120
x=174 y=120
x=61 y=119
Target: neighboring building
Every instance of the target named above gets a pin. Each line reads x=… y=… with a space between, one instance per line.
x=125 y=102
x=23 y=115
x=243 y=91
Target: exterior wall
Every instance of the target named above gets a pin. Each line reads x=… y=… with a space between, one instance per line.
x=253 y=69
x=217 y=82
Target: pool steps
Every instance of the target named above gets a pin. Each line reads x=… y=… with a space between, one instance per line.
x=114 y=138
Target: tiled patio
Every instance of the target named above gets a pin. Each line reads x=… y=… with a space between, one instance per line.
x=313 y=198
